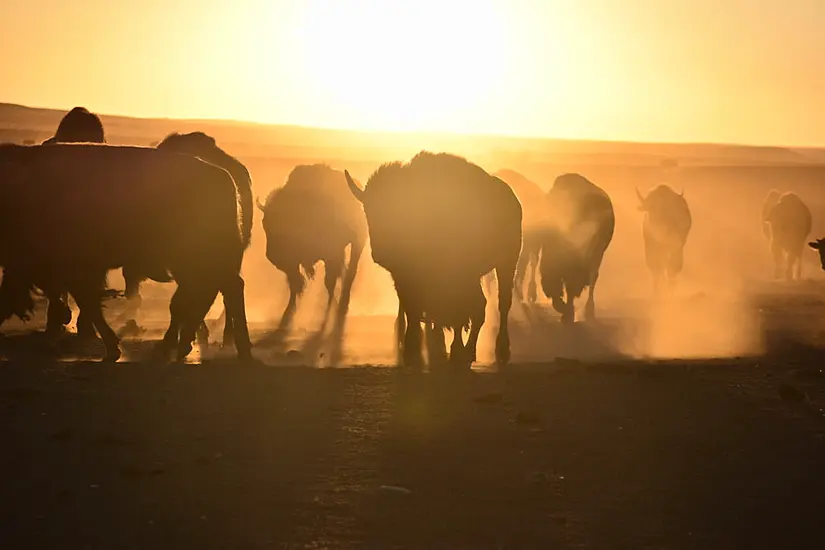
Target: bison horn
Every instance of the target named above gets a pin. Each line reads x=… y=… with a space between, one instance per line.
x=639 y=194
x=259 y=204
x=682 y=194
x=357 y=192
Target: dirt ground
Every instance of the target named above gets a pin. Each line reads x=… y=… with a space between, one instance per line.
x=600 y=447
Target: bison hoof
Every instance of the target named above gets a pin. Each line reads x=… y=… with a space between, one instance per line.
x=502 y=355
x=245 y=355
x=183 y=352
x=112 y=354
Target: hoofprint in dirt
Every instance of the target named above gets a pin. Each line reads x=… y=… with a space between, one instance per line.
x=626 y=455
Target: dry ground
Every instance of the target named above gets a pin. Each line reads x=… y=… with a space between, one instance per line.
x=587 y=451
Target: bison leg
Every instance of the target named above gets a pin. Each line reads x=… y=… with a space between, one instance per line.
x=233 y=293
x=400 y=327
x=356 y=250
x=791 y=267
x=228 y=328
x=521 y=275
x=590 y=305
x=411 y=353
x=477 y=318
x=436 y=344
x=177 y=311
x=505 y=276
x=85 y=326
x=296 y=288
x=132 y=282
x=202 y=335
x=787 y=266
x=59 y=314
x=196 y=309
x=565 y=308
x=532 y=287
x=674 y=267
x=778 y=255
x=458 y=352
x=88 y=298
x=412 y=340
x=333 y=268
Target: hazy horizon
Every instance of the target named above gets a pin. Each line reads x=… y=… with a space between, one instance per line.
x=446 y=133
x=681 y=71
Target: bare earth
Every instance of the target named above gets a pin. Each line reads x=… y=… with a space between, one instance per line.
x=619 y=453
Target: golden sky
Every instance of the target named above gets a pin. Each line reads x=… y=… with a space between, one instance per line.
x=747 y=71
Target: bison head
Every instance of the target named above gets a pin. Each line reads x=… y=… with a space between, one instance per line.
x=274 y=226
x=381 y=220
x=659 y=197
x=196 y=144
x=562 y=267
x=819 y=246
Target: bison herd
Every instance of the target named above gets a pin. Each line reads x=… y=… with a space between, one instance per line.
x=441 y=226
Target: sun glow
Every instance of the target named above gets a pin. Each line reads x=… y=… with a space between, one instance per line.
x=428 y=64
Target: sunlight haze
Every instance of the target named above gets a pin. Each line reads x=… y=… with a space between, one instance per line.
x=651 y=70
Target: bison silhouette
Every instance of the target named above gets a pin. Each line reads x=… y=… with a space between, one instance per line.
x=438 y=224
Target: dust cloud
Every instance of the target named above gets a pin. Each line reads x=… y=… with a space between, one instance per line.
x=717 y=308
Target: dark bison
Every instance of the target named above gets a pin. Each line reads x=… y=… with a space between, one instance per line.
x=77 y=126
x=573 y=247
x=532 y=199
x=819 y=246
x=313 y=217
x=70 y=213
x=200 y=145
x=438 y=224
x=787 y=222
x=665 y=229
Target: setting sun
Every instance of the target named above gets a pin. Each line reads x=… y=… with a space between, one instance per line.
x=423 y=65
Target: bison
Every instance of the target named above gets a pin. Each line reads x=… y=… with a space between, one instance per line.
x=198 y=144
x=79 y=125
x=532 y=199
x=71 y=212
x=819 y=246
x=313 y=217
x=788 y=221
x=438 y=224
x=573 y=246
x=666 y=225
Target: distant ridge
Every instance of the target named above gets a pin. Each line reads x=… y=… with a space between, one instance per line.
x=20 y=122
